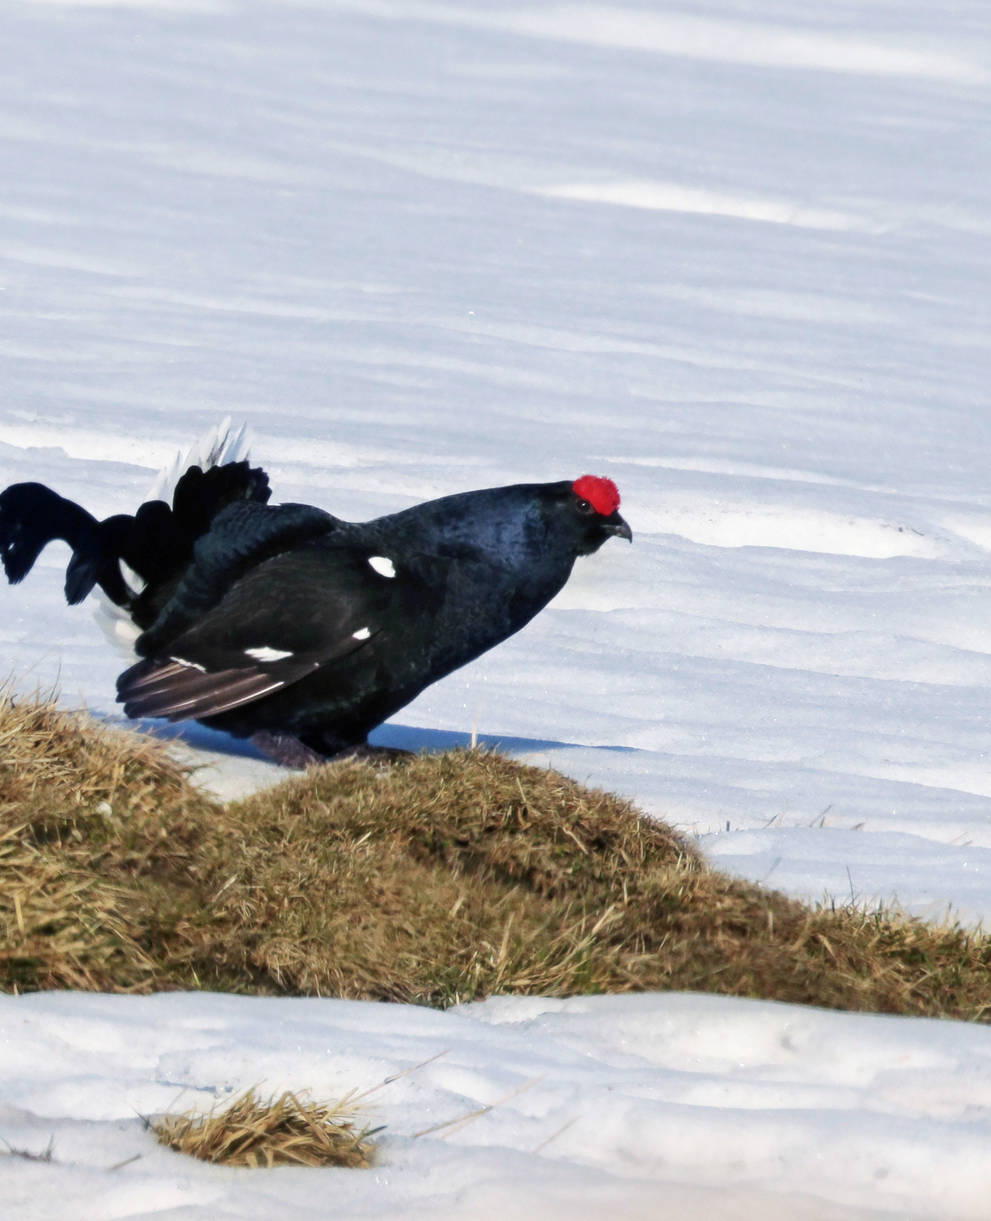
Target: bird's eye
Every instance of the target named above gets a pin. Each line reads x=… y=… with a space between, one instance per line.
x=583 y=506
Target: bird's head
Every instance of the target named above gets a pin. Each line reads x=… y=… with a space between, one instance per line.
x=592 y=506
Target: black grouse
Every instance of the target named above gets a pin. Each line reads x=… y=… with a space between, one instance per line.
x=293 y=627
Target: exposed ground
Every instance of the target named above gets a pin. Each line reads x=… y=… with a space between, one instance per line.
x=435 y=880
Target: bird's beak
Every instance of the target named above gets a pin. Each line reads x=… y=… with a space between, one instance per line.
x=618 y=526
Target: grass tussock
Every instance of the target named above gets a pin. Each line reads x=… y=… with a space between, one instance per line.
x=285 y=1131
x=440 y=879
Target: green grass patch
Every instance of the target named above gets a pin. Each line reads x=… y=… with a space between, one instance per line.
x=434 y=880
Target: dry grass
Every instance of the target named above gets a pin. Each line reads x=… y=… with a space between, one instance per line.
x=68 y=787
x=283 y=1131
x=440 y=879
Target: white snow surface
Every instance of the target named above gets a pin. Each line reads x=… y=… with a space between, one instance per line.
x=737 y=258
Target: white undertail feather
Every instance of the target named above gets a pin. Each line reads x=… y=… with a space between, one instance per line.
x=221 y=444
x=115 y=625
x=225 y=443
x=132 y=580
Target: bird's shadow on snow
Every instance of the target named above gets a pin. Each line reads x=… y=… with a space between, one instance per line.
x=394 y=735
x=433 y=741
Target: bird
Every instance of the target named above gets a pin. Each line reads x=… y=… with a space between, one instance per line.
x=287 y=625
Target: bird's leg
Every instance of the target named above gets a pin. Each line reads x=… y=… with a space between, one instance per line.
x=289 y=751
x=286 y=749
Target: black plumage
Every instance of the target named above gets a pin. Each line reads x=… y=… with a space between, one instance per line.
x=298 y=628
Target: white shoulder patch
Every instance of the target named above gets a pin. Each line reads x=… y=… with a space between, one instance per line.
x=265 y=653
x=382 y=565
x=361 y=634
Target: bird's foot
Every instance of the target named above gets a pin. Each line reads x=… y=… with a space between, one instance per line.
x=374 y=754
x=289 y=751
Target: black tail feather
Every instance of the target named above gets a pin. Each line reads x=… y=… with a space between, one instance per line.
x=200 y=495
x=82 y=574
x=32 y=516
x=156 y=542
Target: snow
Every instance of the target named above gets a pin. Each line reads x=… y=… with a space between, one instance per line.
x=658 y=1106
x=736 y=258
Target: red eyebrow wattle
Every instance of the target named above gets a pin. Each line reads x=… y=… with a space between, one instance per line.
x=602 y=494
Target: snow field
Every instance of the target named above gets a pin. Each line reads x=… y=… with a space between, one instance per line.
x=737 y=260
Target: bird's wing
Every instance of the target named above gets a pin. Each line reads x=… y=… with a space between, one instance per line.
x=243 y=536
x=294 y=614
